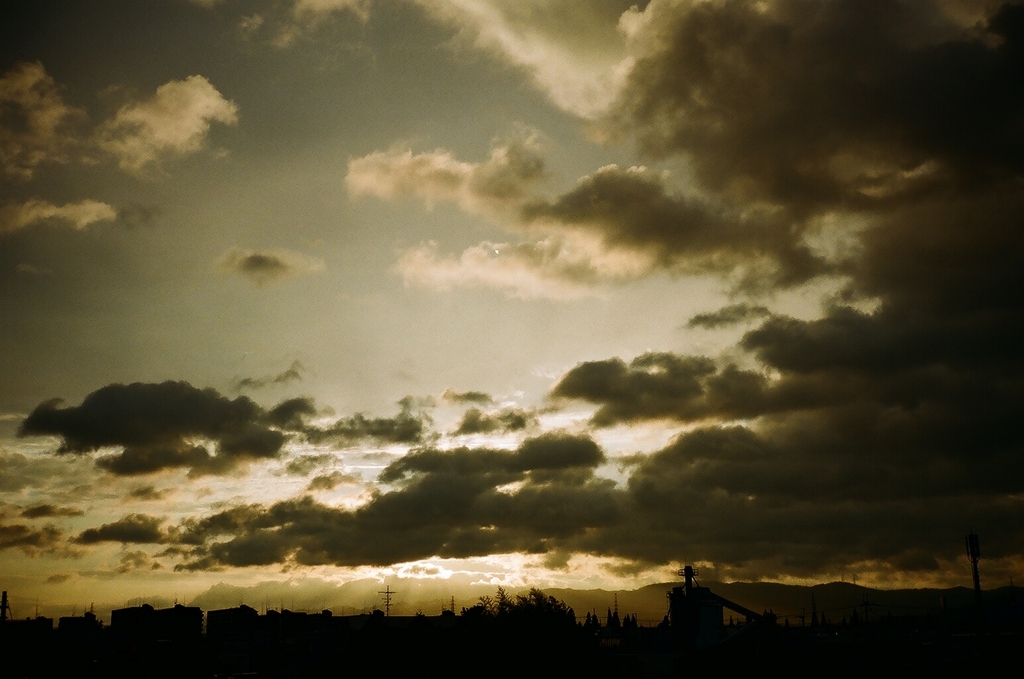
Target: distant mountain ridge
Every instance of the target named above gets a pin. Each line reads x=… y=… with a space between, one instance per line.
x=835 y=600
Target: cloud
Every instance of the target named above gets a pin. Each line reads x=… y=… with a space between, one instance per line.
x=409 y=426
x=133 y=561
x=729 y=315
x=333 y=480
x=145 y=494
x=478 y=397
x=312 y=9
x=553 y=268
x=446 y=503
x=30 y=541
x=15 y=216
x=777 y=506
x=576 y=53
x=48 y=510
x=788 y=112
x=268 y=266
x=304 y=464
x=133 y=528
x=292 y=374
x=36 y=126
x=617 y=225
x=801 y=493
x=889 y=120
x=156 y=426
x=291 y=413
x=282 y=24
x=489 y=188
x=827 y=104
x=19 y=471
x=475 y=421
x=175 y=121
x=660 y=385
x=634 y=210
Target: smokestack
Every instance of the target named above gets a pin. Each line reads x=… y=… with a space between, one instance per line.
x=974 y=553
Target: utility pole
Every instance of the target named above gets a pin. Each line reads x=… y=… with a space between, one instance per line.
x=387 y=600
x=866 y=604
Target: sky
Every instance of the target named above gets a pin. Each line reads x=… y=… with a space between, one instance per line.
x=525 y=294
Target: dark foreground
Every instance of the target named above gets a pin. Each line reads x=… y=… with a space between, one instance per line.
x=298 y=645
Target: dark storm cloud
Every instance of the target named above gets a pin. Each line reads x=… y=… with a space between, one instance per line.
x=661 y=385
x=558 y=451
x=808 y=494
x=634 y=209
x=549 y=451
x=653 y=385
x=827 y=102
x=889 y=116
x=134 y=528
x=48 y=510
x=445 y=502
x=154 y=424
x=813 y=493
x=729 y=315
x=151 y=459
x=859 y=437
x=476 y=421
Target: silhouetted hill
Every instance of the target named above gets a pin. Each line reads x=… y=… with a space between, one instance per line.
x=835 y=599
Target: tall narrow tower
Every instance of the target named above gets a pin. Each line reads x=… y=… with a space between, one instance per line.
x=387 y=600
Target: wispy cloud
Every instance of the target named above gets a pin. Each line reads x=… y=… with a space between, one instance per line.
x=553 y=268
x=16 y=216
x=44 y=123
